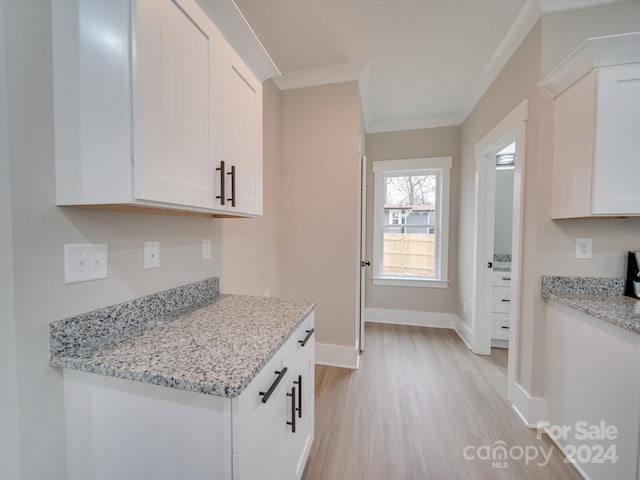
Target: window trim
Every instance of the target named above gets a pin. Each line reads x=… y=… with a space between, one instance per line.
x=441 y=165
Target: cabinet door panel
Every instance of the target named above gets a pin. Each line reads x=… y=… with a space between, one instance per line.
x=244 y=135
x=573 y=150
x=173 y=138
x=617 y=166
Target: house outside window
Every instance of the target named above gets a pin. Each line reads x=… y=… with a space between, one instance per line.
x=411 y=222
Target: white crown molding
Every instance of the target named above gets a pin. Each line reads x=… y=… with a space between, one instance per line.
x=235 y=28
x=518 y=31
x=592 y=53
x=322 y=76
x=415 y=124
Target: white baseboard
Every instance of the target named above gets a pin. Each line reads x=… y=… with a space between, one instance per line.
x=531 y=409
x=410 y=317
x=337 y=355
x=464 y=332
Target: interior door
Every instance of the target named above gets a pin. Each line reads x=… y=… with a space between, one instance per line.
x=364 y=263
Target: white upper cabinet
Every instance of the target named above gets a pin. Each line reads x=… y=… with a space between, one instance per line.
x=596 y=146
x=141 y=97
x=242 y=137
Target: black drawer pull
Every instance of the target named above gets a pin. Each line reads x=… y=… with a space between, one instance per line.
x=267 y=394
x=306 y=339
x=233 y=185
x=293 y=409
x=506 y=328
x=506 y=279
x=299 y=384
x=223 y=178
x=506 y=300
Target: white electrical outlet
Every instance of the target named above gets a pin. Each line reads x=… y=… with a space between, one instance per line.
x=206 y=249
x=85 y=261
x=583 y=247
x=267 y=293
x=151 y=254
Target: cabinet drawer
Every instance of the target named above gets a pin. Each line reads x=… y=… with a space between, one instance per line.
x=502 y=279
x=500 y=327
x=501 y=300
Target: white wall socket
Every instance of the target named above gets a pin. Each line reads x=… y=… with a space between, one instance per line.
x=583 y=247
x=151 y=254
x=85 y=261
x=206 y=249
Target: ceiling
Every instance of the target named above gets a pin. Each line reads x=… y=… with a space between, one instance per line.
x=420 y=63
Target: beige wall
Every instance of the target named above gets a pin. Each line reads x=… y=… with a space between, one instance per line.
x=433 y=142
x=319 y=204
x=548 y=246
x=9 y=430
x=251 y=247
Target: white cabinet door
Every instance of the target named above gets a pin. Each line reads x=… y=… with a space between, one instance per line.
x=616 y=182
x=300 y=441
x=573 y=150
x=242 y=144
x=177 y=46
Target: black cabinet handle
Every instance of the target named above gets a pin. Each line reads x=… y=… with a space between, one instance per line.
x=506 y=300
x=506 y=279
x=306 y=339
x=223 y=178
x=233 y=185
x=267 y=394
x=506 y=328
x=293 y=409
x=299 y=384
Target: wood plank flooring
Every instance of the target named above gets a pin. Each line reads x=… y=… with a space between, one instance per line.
x=419 y=398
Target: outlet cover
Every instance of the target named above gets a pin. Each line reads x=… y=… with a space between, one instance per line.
x=85 y=261
x=583 y=248
x=151 y=254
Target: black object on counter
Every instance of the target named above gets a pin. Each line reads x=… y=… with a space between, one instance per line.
x=632 y=277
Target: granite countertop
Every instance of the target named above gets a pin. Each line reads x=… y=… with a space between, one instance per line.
x=208 y=343
x=601 y=298
x=501 y=262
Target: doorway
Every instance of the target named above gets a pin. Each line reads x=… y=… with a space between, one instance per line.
x=486 y=298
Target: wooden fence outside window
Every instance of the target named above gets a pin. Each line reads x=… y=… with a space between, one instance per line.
x=409 y=254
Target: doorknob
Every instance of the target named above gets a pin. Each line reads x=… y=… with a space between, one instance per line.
x=365 y=264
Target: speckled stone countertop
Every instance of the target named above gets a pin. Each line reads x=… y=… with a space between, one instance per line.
x=601 y=298
x=206 y=343
x=501 y=262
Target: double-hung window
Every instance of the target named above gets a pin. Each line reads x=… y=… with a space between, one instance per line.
x=411 y=222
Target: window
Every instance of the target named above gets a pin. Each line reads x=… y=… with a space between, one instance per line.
x=411 y=222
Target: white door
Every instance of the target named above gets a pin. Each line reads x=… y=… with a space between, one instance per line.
x=174 y=103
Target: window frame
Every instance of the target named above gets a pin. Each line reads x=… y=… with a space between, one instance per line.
x=415 y=166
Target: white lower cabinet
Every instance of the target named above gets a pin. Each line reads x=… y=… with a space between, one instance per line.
x=501 y=306
x=130 y=430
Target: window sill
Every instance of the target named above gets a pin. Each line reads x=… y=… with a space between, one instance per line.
x=410 y=282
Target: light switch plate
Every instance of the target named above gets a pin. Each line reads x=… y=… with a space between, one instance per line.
x=206 y=249
x=151 y=254
x=583 y=248
x=85 y=261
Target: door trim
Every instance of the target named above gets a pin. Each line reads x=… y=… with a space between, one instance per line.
x=510 y=128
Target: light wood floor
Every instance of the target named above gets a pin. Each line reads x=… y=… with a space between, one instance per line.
x=419 y=398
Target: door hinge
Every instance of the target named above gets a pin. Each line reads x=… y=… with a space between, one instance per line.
x=365 y=264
